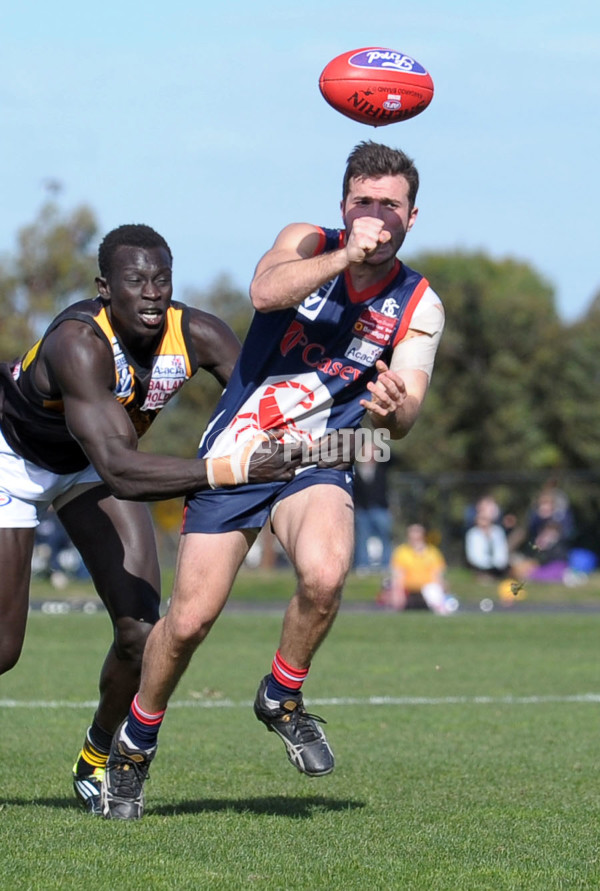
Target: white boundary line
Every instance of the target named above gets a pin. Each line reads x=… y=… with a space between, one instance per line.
x=368 y=701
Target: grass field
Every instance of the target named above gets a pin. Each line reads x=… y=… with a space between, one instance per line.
x=276 y=587
x=467 y=758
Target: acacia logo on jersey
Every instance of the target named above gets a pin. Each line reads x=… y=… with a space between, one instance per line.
x=363 y=352
x=168 y=367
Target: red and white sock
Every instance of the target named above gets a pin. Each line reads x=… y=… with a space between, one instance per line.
x=141 y=729
x=284 y=679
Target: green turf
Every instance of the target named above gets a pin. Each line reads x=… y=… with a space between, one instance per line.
x=478 y=772
x=277 y=586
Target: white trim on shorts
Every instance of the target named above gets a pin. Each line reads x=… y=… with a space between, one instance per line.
x=27 y=490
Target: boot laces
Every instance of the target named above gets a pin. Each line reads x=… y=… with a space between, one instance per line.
x=129 y=778
x=304 y=724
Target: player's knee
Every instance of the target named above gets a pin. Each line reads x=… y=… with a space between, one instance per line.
x=322 y=584
x=130 y=639
x=187 y=633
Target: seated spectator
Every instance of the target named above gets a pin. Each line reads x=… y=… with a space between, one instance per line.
x=486 y=542
x=505 y=518
x=544 y=555
x=548 y=558
x=416 y=575
x=552 y=505
x=492 y=507
x=551 y=555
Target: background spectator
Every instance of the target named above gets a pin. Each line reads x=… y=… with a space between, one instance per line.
x=549 y=558
x=544 y=554
x=486 y=542
x=552 y=506
x=416 y=575
x=373 y=520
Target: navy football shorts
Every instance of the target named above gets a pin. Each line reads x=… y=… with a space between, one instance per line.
x=249 y=506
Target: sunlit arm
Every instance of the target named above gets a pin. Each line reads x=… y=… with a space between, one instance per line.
x=289 y=271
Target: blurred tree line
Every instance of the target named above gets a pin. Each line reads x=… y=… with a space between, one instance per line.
x=514 y=388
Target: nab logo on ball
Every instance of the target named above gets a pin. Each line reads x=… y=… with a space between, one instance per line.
x=376 y=86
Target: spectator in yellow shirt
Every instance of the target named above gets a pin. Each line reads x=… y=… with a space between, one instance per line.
x=417 y=574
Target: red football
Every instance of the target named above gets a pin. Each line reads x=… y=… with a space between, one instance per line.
x=376 y=86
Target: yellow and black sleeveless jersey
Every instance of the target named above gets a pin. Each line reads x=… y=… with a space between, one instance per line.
x=33 y=423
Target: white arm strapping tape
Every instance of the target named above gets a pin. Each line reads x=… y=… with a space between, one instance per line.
x=417 y=352
x=234 y=469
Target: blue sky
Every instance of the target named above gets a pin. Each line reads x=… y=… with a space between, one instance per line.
x=209 y=125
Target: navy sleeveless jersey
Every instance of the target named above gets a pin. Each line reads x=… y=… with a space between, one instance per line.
x=305 y=369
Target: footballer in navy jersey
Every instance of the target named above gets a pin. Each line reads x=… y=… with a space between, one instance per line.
x=342 y=329
x=303 y=372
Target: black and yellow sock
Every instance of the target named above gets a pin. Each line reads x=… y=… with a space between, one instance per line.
x=94 y=753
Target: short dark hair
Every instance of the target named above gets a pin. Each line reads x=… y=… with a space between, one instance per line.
x=371 y=160
x=130 y=235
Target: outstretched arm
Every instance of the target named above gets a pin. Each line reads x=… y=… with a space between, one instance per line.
x=290 y=271
x=79 y=364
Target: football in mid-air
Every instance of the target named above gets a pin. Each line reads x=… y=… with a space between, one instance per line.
x=376 y=86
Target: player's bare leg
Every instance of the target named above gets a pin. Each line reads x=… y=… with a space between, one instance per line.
x=116 y=541
x=16 y=549
x=304 y=523
x=206 y=568
x=316 y=528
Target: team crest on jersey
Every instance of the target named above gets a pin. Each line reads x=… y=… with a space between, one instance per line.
x=390 y=308
x=124 y=387
x=314 y=303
